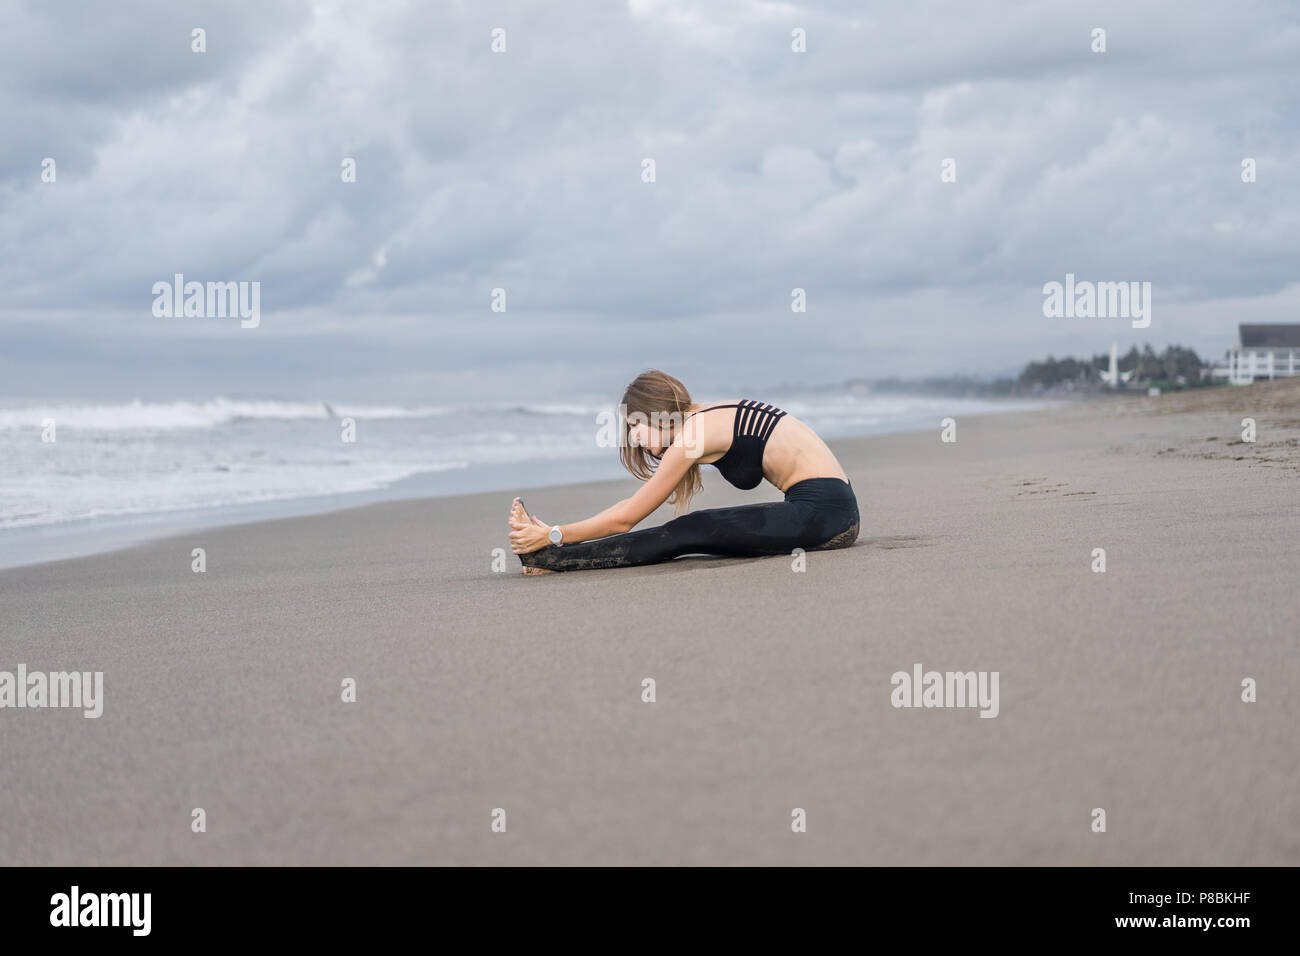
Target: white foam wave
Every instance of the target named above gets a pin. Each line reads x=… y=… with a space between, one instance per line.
x=30 y=505
x=164 y=416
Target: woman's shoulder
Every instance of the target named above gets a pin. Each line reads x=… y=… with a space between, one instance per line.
x=706 y=430
x=730 y=403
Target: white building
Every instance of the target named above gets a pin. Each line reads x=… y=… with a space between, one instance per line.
x=1266 y=352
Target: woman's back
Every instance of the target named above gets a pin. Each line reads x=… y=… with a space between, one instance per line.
x=759 y=441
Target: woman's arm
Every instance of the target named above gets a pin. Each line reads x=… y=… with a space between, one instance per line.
x=616 y=519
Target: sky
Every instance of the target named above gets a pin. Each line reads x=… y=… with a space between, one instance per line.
x=524 y=169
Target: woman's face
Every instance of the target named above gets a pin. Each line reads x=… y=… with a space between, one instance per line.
x=653 y=435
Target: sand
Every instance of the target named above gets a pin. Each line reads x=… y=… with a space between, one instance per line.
x=478 y=690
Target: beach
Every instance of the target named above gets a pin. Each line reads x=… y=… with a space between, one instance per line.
x=478 y=691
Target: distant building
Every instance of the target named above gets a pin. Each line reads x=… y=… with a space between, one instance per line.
x=1266 y=352
x=1113 y=377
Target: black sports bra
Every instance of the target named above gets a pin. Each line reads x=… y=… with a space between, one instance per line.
x=742 y=465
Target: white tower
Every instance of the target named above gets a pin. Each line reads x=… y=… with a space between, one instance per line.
x=1111 y=377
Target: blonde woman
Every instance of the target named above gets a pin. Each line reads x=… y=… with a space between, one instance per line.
x=666 y=439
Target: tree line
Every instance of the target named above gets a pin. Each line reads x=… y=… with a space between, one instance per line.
x=1175 y=367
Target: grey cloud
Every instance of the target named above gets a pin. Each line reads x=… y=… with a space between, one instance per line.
x=521 y=171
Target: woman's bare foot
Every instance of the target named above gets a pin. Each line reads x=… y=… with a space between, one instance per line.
x=517 y=512
x=518 y=516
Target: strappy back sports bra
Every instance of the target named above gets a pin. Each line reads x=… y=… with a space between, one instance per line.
x=742 y=465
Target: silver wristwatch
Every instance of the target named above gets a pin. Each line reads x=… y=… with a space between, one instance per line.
x=556 y=536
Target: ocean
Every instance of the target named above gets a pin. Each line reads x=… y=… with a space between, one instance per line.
x=76 y=477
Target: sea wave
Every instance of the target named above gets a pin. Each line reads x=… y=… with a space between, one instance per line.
x=138 y=415
x=75 y=504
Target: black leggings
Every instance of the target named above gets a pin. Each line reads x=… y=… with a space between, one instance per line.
x=817 y=514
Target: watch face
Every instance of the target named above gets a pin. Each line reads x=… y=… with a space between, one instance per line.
x=555 y=535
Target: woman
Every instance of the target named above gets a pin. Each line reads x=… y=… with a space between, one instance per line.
x=667 y=438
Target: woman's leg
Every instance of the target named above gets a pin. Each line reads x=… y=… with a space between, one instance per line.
x=776 y=527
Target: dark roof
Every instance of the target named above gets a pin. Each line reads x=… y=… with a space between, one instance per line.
x=1280 y=335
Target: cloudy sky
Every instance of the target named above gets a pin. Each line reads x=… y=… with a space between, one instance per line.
x=523 y=170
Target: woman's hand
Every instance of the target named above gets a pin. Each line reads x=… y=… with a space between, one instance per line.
x=525 y=538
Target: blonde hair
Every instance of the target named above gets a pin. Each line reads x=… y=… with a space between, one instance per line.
x=657 y=397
